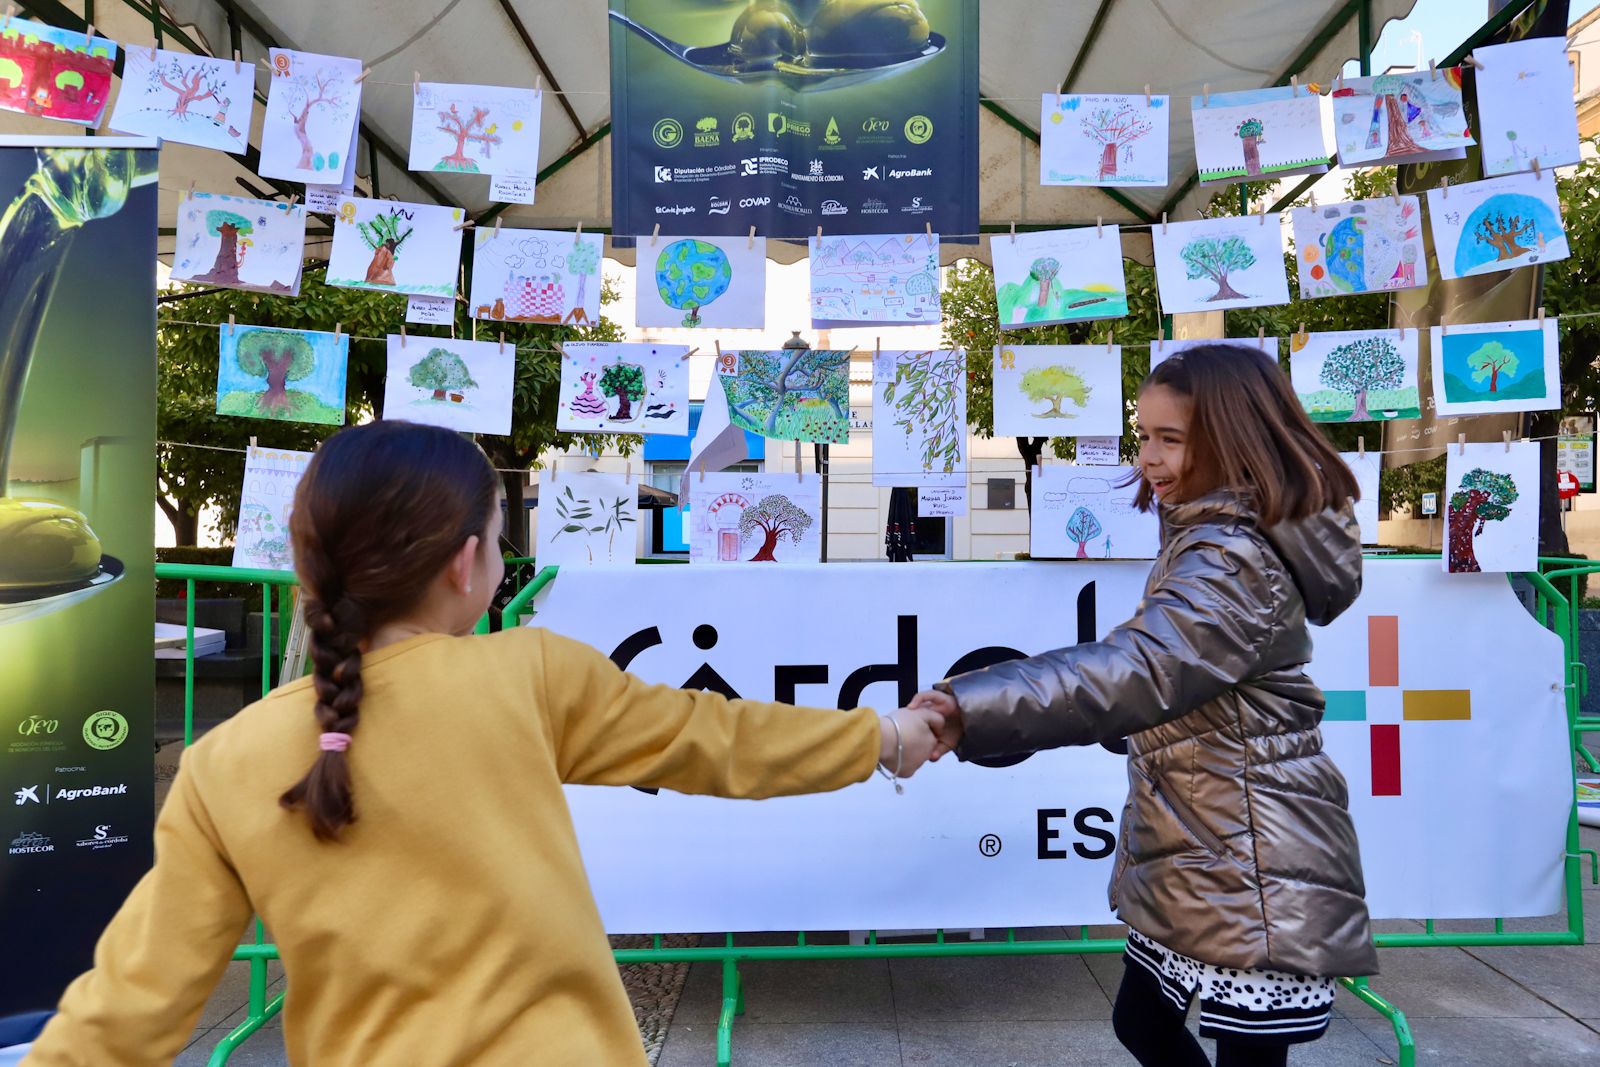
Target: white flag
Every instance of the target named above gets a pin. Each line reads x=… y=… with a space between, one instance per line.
x=717 y=442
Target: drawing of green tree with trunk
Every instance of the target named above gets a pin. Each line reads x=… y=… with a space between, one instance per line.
x=442 y=372
x=1483 y=496
x=227 y=227
x=383 y=234
x=776 y=517
x=1359 y=366
x=1083 y=527
x=792 y=394
x=1207 y=257
x=1056 y=383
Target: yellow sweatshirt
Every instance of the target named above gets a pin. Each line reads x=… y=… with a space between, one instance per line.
x=453 y=924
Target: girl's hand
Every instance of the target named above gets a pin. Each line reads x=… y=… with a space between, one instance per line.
x=949 y=712
x=917 y=738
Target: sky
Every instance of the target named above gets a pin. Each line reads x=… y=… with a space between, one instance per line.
x=1442 y=24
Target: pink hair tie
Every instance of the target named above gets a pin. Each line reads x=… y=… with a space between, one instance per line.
x=334 y=742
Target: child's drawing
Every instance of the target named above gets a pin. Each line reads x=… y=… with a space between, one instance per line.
x=189 y=99
x=1088 y=513
x=1491 y=508
x=1057 y=391
x=1497 y=224
x=1409 y=117
x=611 y=387
x=1259 y=133
x=239 y=243
x=395 y=247
x=54 y=73
x=267 y=372
x=460 y=385
x=270 y=478
x=1364 y=465
x=1355 y=375
x=587 y=519
x=536 y=276
x=475 y=129
x=755 y=518
x=708 y=282
x=1525 y=105
x=1490 y=367
x=313 y=106
x=874 y=279
x=919 y=425
x=1059 y=276
x=1360 y=247
x=1163 y=350
x=1216 y=264
x=791 y=394
x=1106 y=140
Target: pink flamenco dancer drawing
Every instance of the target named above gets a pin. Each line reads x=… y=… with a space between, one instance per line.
x=587 y=403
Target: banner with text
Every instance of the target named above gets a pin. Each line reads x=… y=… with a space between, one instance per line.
x=1445 y=713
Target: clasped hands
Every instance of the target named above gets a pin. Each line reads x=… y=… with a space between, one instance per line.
x=929 y=727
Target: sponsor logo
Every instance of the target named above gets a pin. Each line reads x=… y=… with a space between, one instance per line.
x=38 y=734
x=705 y=133
x=34 y=725
x=919 y=129
x=916 y=207
x=833 y=207
x=105 y=730
x=875 y=125
x=780 y=125
x=102 y=838
x=719 y=206
x=873 y=206
x=674 y=209
x=755 y=201
x=776 y=123
x=793 y=205
x=744 y=127
x=816 y=168
x=830 y=136
x=686 y=175
x=663 y=174
x=913 y=172
x=816 y=172
x=91 y=792
x=668 y=133
x=29 y=842
x=28 y=794
x=747 y=168
x=871 y=174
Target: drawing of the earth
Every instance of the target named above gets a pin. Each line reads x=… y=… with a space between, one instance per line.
x=691 y=274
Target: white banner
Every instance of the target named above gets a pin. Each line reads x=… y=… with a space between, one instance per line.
x=1445 y=715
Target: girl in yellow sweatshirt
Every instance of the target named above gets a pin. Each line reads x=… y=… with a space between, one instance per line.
x=422 y=880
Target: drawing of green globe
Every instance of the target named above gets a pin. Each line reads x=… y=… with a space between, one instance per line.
x=691 y=274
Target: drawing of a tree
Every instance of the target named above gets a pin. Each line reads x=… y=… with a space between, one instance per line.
x=278 y=356
x=1055 y=384
x=776 y=517
x=1502 y=234
x=771 y=384
x=926 y=389
x=229 y=227
x=1207 y=257
x=384 y=237
x=1083 y=527
x=316 y=89
x=1356 y=367
x=1387 y=89
x=1252 y=133
x=576 y=512
x=582 y=261
x=1113 y=130
x=921 y=285
x=442 y=371
x=1483 y=497
x=464 y=130
x=1044 y=271
x=625 y=381
x=1490 y=361
x=198 y=85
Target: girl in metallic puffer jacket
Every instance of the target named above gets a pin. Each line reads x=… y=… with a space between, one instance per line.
x=1237 y=866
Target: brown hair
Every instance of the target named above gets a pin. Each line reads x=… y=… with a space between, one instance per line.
x=380 y=511
x=1248 y=431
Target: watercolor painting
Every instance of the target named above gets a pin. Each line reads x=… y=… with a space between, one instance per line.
x=460 y=385
x=714 y=283
x=313 y=109
x=1491 y=508
x=1088 y=513
x=1405 y=117
x=536 y=276
x=1365 y=466
x=919 y=418
x=791 y=394
x=755 y=518
x=1355 y=375
x=1059 y=276
x=261 y=540
x=1497 y=224
x=239 y=243
x=1490 y=367
x=1216 y=264
x=1162 y=350
x=624 y=387
x=1525 y=105
x=874 y=280
x=53 y=73
x=1364 y=246
x=1257 y=134
x=394 y=247
x=587 y=519
x=1104 y=139
x=475 y=129
x=188 y=99
x=268 y=372
x=1057 y=391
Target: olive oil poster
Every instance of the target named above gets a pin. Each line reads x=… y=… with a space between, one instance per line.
x=77 y=470
x=859 y=116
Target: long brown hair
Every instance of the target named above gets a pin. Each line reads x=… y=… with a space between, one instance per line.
x=1248 y=431
x=379 y=512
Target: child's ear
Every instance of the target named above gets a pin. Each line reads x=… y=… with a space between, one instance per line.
x=462 y=564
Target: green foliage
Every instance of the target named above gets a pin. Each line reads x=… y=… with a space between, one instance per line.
x=1251 y=128
x=1044 y=268
x=776 y=516
x=441 y=369
x=1370 y=363
x=259 y=347
x=1491 y=360
x=1083 y=527
x=792 y=394
x=1207 y=257
x=624 y=380
x=1493 y=492
x=302 y=406
x=384 y=230
x=1055 y=384
x=216 y=220
x=924 y=393
x=584 y=258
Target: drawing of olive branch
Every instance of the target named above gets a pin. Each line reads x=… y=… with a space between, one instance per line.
x=928 y=404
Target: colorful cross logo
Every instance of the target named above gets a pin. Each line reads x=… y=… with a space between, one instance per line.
x=1383 y=673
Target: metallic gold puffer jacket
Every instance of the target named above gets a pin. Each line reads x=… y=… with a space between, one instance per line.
x=1236 y=845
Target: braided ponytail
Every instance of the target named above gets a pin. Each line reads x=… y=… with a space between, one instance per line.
x=325 y=791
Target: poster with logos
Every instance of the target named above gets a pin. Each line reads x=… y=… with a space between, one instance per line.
x=860 y=118
x=76 y=562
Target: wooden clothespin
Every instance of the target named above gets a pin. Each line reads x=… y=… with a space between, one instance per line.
x=416 y=83
x=11 y=9
x=359 y=78
x=1099 y=226
x=686 y=355
x=502 y=342
x=153 y=53
x=1397 y=190
x=819 y=235
x=538 y=83
x=1261 y=338
x=1058 y=98
x=1444 y=329
x=554 y=462
x=1444 y=188
x=1536 y=172
x=464 y=224
x=1205 y=95
x=1505 y=435
x=1474 y=62
x=1294 y=84
x=577 y=236
x=930 y=234
x=402 y=335
x=1163 y=223
x=1313 y=198
x=798 y=476
x=497 y=227
x=474 y=328
x=1302 y=332
x=877 y=348
x=1013 y=233
x=294 y=198
x=238 y=61
x=1361 y=444
x=338 y=328
x=627 y=473
x=1541 y=318
x=88 y=37
x=230 y=324
x=1461 y=444
x=1433 y=71
x=1110 y=340
x=1263 y=212
x=1402 y=332
x=702 y=468
x=1147 y=96
x=655 y=235
x=752 y=239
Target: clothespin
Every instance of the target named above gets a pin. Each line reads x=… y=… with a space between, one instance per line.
x=819 y=235
x=1313 y=198
x=1263 y=212
x=1541 y=318
x=1361 y=443
x=88 y=37
x=702 y=468
x=402 y=335
x=689 y=353
x=359 y=78
x=338 y=328
x=1163 y=224
x=153 y=53
x=576 y=237
x=1402 y=331
x=1099 y=223
x=464 y=224
x=1205 y=95
x=1013 y=233
x=1147 y=96
x=237 y=61
x=1505 y=435
x=1474 y=62
x=191 y=188
x=1302 y=332
x=1397 y=190
x=877 y=348
x=1110 y=340
x=1058 y=98
x=502 y=342
x=1444 y=188
x=1536 y=174
x=230 y=324
x=294 y=198
x=655 y=235
x=798 y=476
x=1433 y=71
x=538 y=83
x=1461 y=444
x=627 y=473
x=474 y=329
x=930 y=235
x=1444 y=329
x=497 y=227
x=752 y=243
x=416 y=83
x=553 y=464
x=11 y=9
x=1294 y=84
x=1261 y=338
x=252 y=442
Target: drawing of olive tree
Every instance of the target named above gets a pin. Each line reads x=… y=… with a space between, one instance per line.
x=592 y=517
x=927 y=394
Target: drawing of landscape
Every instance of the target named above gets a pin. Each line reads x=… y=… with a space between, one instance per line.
x=475 y=129
x=1088 y=513
x=1057 y=391
x=1406 y=117
x=239 y=243
x=1525 y=111
x=1484 y=368
x=1215 y=264
x=1360 y=247
x=266 y=372
x=1104 y=140
x=536 y=276
x=587 y=519
x=791 y=394
x=1355 y=375
x=457 y=384
x=1497 y=224
x=1258 y=133
x=878 y=279
x=1059 y=276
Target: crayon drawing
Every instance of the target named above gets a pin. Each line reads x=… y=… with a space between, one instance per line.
x=1407 y=117
x=313 y=104
x=261 y=540
x=1057 y=391
x=475 y=129
x=394 y=247
x=755 y=518
x=1258 y=133
x=612 y=387
x=189 y=99
x=919 y=425
x=1360 y=247
x=874 y=279
x=54 y=73
x=267 y=372
x=1497 y=224
x=1088 y=513
x=706 y=282
x=1216 y=264
x=587 y=519
x=1104 y=140
x=1525 y=105
x=791 y=394
x=239 y=243
x=1489 y=367
x=460 y=385
x=536 y=276
x=1491 y=507
x=1355 y=375
x=1059 y=276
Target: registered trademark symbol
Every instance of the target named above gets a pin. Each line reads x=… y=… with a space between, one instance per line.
x=989 y=845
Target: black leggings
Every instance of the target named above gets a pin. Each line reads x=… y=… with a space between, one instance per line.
x=1151 y=1028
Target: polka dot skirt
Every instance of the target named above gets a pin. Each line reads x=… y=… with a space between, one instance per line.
x=1272 y=1006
